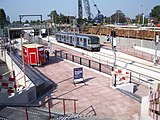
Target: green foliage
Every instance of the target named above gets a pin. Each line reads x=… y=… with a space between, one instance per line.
x=2 y=18
x=155 y=12
x=118 y=17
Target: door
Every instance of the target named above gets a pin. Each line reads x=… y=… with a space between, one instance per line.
x=85 y=42
x=33 y=59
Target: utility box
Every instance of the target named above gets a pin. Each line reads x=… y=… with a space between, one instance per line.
x=34 y=54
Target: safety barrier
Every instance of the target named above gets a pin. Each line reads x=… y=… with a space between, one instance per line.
x=7 y=86
x=120 y=76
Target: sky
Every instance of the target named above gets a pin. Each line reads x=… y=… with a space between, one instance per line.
x=130 y=8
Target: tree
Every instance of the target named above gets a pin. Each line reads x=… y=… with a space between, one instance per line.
x=118 y=17
x=2 y=18
x=54 y=16
x=139 y=19
x=107 y=20
x=155 y=12
x=8 y=19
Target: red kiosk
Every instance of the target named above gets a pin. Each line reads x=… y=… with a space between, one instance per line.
x=34 y=54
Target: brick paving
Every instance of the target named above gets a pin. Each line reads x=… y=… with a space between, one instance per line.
x=105 y=101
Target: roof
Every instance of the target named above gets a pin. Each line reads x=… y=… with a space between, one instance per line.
x=83 y=35
x=33 y=45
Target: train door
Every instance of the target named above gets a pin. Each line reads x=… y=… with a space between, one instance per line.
x=77 y=43
x=71 y=41
x=85 y=42
x=64 y=39
x=33 y=57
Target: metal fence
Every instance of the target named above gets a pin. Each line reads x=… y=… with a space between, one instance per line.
x=105 y=68
x=102 y=67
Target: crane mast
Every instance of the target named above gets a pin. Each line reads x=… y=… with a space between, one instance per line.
x=80 y=12
x=87 y=8
x=97 y=19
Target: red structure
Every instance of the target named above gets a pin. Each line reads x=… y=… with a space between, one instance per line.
x=34 y=54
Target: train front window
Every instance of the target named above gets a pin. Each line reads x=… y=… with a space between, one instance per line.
x=95 y=40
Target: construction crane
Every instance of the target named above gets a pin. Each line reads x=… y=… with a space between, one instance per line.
x=99 y=17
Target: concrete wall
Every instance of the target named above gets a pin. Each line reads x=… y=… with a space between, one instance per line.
x=23 y=94
x=130 y=42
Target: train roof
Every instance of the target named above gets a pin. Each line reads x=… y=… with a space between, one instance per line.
x=83 y=35
x=32 y=45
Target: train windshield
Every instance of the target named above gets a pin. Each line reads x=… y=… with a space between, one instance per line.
x=94 y=40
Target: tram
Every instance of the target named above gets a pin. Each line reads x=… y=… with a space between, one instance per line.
x=88 y=42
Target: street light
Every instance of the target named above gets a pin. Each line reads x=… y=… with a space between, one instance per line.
x=139 y=21
x=156 y=47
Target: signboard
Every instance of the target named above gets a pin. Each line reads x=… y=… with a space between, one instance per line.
x=78 y=73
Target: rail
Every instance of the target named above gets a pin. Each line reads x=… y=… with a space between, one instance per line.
x=48 y=101
x=101 y=66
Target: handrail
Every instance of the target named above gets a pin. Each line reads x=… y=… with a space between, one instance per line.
x=47 y=101
x=32 y=105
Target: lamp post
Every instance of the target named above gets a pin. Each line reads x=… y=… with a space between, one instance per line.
x=23 y=67
x=10 y=49
x=113 y=35
x=156 y=47
x=139 y=21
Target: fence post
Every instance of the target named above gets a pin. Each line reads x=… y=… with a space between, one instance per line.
x=73 y=58
x=89 y=63
x=100 y=67
x=49 y=110
x=26 y=113
x=66 y=56
x=64 y=107
x=130 y=77
x=80 y=61
x=55 y=53
x=61 y=54
x=74 y=106
x=115 y=80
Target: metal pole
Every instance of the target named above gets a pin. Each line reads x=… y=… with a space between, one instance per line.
x=26 y=113
x=49 y=110
x=64 y=107
x=10 y=49
x=48 y=37
x=23 y=67
x=74 y=26
x=156 y=47
x=74 y=107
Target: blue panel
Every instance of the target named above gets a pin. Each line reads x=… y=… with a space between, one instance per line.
x=64 y=38
x=77 y=41
x=70 y=40
x=84 y=42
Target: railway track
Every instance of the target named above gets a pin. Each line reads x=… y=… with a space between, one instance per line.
x=141 y=70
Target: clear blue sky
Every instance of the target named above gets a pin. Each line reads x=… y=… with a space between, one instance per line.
x=130 y=8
